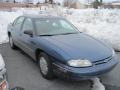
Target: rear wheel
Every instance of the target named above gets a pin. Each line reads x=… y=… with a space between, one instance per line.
x=11 y=42
x=45 y=66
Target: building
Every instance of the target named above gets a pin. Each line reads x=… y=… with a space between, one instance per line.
x=76 y=4
x=3 y=0
x=115 y=4
x=10 y=0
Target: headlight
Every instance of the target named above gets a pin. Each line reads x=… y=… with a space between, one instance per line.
x=80 y=63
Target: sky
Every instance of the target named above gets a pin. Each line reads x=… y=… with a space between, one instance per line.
x=93 y=0
x=103 y=0
x=83 y=1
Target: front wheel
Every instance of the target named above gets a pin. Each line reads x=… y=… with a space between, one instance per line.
x=45 y=66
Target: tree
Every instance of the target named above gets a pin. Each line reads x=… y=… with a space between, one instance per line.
x=27 y=1
x=7 y=0
x=70 y=3
x=51 y=1
x=97 y=3
x=14 y=1
x=100 y=2
x=45 y=1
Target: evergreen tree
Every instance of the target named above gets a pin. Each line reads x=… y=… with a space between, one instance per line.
x=97 y=3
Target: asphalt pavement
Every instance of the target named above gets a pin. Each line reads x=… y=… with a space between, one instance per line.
x=24 y=72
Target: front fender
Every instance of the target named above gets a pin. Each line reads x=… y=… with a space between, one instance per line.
x=52 y=50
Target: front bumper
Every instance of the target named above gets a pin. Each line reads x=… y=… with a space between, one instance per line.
x=84 y=73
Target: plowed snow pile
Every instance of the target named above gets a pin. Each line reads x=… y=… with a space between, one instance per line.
x=103 y=24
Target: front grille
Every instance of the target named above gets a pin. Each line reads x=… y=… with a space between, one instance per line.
x=102 y=61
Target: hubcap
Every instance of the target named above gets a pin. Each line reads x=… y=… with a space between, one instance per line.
x=43 y=65
x=11 y=41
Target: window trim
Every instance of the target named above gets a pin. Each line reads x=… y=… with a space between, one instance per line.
x=32 y=24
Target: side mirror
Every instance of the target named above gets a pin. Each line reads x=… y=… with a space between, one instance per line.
x=28 y=32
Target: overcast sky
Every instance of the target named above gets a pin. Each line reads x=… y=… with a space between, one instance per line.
x=93 y=0
x=79 y=0
x=103 y=0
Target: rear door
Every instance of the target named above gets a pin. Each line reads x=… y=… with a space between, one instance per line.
x=16 y=29
x=28 y=42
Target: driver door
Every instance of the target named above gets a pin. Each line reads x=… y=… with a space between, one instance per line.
x=28 y=40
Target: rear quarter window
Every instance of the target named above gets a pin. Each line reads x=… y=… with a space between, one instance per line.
x=18 y=23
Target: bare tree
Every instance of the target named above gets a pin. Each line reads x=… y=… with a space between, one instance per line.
x=7 y=0
x=70 y=3
x=14 y=1
x=27 y=3
x=51 y=1
x=45 y=1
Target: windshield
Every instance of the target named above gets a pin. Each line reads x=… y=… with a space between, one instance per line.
x=54 y=27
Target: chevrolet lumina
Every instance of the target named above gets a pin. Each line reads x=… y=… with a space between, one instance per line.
x=59 y=48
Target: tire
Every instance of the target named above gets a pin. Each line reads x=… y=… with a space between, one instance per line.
x=11 y=42
x=45 y=66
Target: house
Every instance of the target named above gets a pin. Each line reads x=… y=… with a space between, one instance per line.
x=20 y=1
x=76 y=4
x=115 y=4
x=10 y=1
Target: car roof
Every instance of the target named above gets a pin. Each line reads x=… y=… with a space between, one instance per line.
x=42 y=16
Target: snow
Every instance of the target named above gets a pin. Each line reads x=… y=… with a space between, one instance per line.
x=2 y=64
x=5 y=19
x=97 y=85
x=103 y=24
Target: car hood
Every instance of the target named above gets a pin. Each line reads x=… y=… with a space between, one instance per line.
x=81 y=46
x=2 y=64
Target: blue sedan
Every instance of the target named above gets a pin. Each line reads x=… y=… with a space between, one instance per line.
x=59 y=48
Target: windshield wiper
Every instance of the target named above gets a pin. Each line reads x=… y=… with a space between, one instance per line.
x=67 y=33
x=58 y=34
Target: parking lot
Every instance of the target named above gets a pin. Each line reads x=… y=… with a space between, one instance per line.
x=24 y=72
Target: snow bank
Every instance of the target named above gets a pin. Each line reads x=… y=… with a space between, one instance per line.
x=27 y=10
x=8 y=17
x=97 y=85
x=5 y=19
x=2 y=63
x=103 y=24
